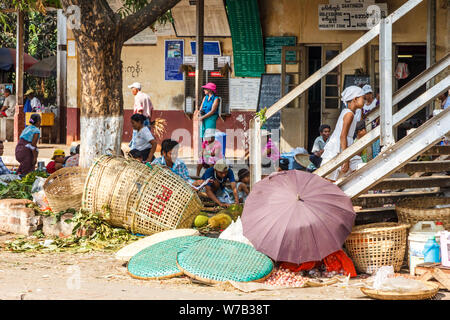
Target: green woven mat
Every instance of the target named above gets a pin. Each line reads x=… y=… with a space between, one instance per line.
x=159 y=260
x=217 y=260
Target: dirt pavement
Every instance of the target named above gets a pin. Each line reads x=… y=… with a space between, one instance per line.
x=98 y=275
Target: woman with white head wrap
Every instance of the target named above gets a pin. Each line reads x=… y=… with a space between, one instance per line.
x=342 y=137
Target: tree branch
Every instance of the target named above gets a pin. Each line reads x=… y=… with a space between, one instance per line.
x=137 y=22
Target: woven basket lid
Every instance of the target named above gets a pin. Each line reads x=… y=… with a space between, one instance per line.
x=218 y=260
x=159 y=260
x=134 y=248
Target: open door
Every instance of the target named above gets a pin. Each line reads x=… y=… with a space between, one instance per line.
x=331 y=87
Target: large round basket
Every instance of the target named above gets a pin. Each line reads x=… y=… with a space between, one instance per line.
x=411 y=211
x=375 y=245
x=64 y=188
x=433 y=288
x=139 y=198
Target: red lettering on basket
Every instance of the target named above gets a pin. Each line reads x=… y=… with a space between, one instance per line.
x=161 y=203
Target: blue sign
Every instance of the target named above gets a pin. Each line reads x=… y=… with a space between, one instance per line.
x=173 y=60
x=209 y=48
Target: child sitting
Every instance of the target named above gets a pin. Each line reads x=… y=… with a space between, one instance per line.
x=211 y=151
x=242 y=185
x=57 y=161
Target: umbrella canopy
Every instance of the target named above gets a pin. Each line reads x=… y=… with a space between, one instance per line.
x=44 y=68
x=8 y=59
x=296 y=216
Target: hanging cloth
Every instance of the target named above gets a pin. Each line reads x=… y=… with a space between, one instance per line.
x=402 y=71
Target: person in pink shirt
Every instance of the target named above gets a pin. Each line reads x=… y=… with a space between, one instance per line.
x=211 y=151
x=142 y=105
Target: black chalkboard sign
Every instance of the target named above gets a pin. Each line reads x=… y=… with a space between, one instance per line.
x=355 y=80
x=269 y=93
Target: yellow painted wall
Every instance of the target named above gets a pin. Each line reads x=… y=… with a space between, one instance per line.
x=278 y=18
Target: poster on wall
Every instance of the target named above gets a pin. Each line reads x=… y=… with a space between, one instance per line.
x=244 y=93
x=173 y=59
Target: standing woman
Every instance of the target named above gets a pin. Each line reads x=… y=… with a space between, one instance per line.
x=342 y=137
x=209 y=111
x=26 y=149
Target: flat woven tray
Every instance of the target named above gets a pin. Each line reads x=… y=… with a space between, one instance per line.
x=159 y=260
x=433 y=288
x=218 y=260
x=129 y=251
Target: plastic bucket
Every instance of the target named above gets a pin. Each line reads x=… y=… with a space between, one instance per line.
x=418 y=236
x=445 y=248
x=222 y=138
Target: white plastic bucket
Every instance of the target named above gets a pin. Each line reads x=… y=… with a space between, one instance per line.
x=445 y=248
x=418 y=236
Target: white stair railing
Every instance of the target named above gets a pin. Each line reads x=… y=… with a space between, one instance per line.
x=255 y=161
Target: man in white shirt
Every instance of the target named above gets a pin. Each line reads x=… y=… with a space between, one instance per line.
x=142 y=105
x=142 y=102
x=371 y=101
x=9 y=105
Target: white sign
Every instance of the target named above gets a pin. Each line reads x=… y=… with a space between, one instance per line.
x=354 y=15
x=71 y=49
x=244 y=93
x=208 y=61
x=223 y=60
x=368 y=2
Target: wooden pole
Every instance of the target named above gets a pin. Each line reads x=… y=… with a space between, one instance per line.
x=61 y=78
x=200 y=17
x=19 y=117
x=431 y=45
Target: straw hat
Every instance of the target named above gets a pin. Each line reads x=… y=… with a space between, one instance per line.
x=29 y=91
x=210 y=133
x=301 y=156
x=221 y=165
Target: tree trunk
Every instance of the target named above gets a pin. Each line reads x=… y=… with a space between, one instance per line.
x=99 y=38
x=101 y=120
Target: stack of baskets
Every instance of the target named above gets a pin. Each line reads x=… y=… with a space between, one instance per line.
x=142 y=199
x=411 y=211
x=375 y=245
x=64 y=188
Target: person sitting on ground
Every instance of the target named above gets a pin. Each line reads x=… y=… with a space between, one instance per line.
x=319 y=145
x=219 y=175
x=144 y=143
x=211 y=151
x=26 y=149
x=9 y=105
x=142 y=105
x=3 y=168
x=342 y=137
x=57 y=161
x=169 y=158
x=242 y=185
x=74 y=159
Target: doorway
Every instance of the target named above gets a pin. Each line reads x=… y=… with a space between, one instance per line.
x=413 y=59
x=314 y=102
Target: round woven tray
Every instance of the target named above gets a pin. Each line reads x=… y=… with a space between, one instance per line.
x=412 y=211
x=217 y=260
x=391 y=295
x=64 y=188
x=127 y=252
x=159 y=261
x=378 y=244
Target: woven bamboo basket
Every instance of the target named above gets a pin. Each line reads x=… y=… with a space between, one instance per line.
x=138 y=198
x=375 y=245
x=64 y=188
x=430 y=292
x=411 y=211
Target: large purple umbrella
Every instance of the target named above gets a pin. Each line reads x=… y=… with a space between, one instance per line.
x=8 y=59
x=296 y=216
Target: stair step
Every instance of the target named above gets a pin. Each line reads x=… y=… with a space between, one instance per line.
x=437 y=151
x=380 y=199
x=412 y=183
x=375 y=215
x=426 y=166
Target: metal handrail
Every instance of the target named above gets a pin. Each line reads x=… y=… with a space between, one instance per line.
x=340 y=58
x=374 y=134
x=255 y=157
x=413 y=85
